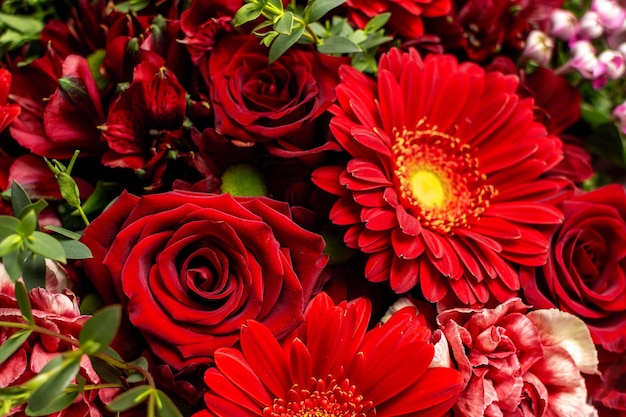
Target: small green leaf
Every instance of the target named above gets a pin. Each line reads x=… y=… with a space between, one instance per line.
x=134 y=376
x=63 y=232
x=47 y=246
x=10 y=244
x=60 y=376
x=75 y=249
x=101 y=196
x=277 y=4
x=107 y=372
x=8 y=225
x=130 y=398
x=269 y=37
x=283 y=42
x=314 y=12
x=101 y=329
x=19 y=198
x=34 y=271
x=132 y=5
x=13 y=343
x=23 y=301
x=247 y=13
x=95 y=61
x=56 y=404
x=338 y=45
x=377 y=22
x=28 y=224
x=37 y=206
x=14 y=264
x=284 y=24
x=165 y=406
x=69 y=189
x=22 y=24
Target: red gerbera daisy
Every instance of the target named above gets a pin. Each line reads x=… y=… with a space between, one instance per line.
x=333 y=367
x=444 y=188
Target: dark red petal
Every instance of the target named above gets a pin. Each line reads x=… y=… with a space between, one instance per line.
x=327 y=178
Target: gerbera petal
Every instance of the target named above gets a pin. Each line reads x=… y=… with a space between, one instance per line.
x=437 y=386
x=534 y=213
x=265 y=357
x=403 y=275
x=235 y=367
x=406 y=246
x=219 y=384
x=300 y=363
x=378 y=219
x=327 y=178
x=367 y=171
x=378 y=266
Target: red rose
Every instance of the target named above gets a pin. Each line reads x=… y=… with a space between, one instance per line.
x=586 y=270
x=191 y=268
x=257 y=102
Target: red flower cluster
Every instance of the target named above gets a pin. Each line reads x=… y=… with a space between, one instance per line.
x=255 y=220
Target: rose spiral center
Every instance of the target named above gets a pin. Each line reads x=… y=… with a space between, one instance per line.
x=323 y=398
x=438 y=179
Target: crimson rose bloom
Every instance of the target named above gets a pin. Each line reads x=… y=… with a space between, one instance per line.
x=586 y=270
x=191 y=268
x=257 y=102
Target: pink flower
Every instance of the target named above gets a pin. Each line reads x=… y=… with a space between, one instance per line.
x=563 y=24
x=55 y=311
x=517 y=363
x=539 y=47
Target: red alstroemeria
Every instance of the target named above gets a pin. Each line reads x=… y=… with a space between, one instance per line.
x=444 y=186
x=61 y=107
x=406 y=15
x=8 y=112
x=332 y=366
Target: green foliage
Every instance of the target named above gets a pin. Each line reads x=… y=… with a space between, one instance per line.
x=100 y=330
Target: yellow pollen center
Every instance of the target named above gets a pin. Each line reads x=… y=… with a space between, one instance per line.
x=428 y=189
x=438 y=179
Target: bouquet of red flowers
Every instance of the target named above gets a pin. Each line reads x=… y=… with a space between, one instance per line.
x=332 y=208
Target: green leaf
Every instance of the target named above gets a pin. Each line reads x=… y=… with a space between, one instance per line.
x=8 y=225
x=10 y=244
x=284 y=24
x=247 y=13
x=34 y=272
x=132 y=5
x=269 y=37
x=22 y=24
x=107 y=372
x=14 y=264
x=95 y=61
x=63 y=232
x=338 y=45
x=37 y=206
x=314 y=12
x=47 y=246
x=101 y=196
x=19 y=198
x=75 y=249
x=99 y=331
x=283 y=42
x=377 y=22
x=61 y=374
x=277 y=4
x=134 y=376
x=56 y=404
x=28 y=224
x=69 y=189
x=13 y=343
x=129 y=399
x=606 y=141
x=165 y=406
x=23 y=302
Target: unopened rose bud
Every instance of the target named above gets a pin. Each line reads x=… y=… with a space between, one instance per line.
x=539 y=47
x=610 y=14
x=589 y=26
x=563 y=24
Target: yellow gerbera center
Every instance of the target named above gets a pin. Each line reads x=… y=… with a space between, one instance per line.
x=438 y=179
x=428 y=189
